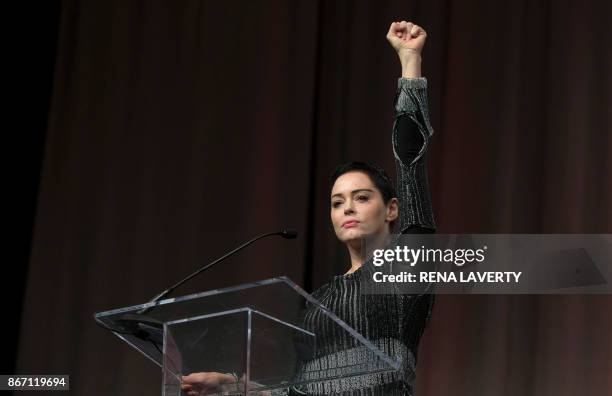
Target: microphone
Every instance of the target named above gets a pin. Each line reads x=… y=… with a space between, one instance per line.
x=287 y=233
x=151 y=329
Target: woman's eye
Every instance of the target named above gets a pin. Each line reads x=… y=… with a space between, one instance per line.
x=336 y=204
x=362 y=198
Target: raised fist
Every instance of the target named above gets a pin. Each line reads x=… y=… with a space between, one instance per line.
x=406 y=37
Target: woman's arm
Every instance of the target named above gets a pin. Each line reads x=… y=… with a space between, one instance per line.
x=411 y=131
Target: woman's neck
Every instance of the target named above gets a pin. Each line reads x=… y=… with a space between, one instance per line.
x=356 y=258
x=355 y=253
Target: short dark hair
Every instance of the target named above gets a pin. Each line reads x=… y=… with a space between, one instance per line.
x=377 y=174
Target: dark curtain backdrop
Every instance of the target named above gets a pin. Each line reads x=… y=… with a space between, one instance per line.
x=178 y=129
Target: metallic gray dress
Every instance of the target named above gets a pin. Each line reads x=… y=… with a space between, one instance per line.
x=392 y=322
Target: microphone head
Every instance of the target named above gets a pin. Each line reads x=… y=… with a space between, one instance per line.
x=289 y=233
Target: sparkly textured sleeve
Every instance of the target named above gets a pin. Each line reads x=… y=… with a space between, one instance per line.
x=411 y=134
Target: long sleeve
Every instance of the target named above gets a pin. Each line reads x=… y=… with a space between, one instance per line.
x=411 y=134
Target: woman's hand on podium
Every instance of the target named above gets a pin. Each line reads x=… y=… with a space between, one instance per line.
x=204 y=383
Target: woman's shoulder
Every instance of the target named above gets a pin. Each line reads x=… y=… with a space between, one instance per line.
x=320 y=293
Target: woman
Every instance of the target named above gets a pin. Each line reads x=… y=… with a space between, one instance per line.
x=364 y=203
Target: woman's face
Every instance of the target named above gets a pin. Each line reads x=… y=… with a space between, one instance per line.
x=358 y=209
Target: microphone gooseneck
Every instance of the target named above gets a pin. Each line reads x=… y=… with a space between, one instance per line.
x=286 y=233
x=150 y=329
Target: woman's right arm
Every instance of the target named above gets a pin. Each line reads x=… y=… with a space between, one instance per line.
x=411 y=131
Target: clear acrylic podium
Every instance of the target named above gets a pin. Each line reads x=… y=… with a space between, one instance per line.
x=254 y=331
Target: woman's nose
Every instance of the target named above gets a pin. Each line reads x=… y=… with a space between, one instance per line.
x=348 y=208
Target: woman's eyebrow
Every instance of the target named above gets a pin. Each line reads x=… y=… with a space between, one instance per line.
x=354 y=191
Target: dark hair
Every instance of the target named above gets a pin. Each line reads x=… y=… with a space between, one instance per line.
x=377 y=174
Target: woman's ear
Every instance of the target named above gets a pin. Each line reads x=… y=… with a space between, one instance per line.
x=392 y=210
